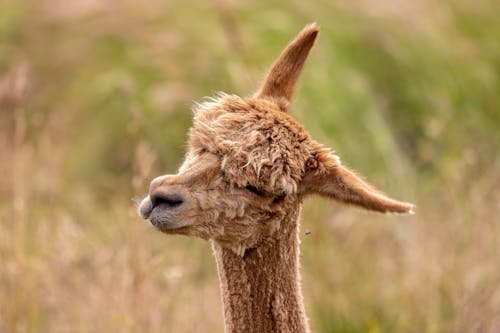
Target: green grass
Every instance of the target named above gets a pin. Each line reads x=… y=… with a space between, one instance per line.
x=406 y=93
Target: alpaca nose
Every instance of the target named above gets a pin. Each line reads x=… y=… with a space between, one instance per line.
x=157 y=182
x=162 y=192
x=166 y=199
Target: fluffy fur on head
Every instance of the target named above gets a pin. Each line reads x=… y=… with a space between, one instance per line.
x=259 y=145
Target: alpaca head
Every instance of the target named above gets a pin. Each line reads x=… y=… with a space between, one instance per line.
x=250 y=163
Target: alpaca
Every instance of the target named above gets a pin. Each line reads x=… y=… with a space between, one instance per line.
x=247 y=170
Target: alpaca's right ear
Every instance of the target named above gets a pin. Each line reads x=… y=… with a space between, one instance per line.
x=282 y=78
x=331 y=179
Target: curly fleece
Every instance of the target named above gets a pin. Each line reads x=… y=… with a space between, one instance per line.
x=259 y=144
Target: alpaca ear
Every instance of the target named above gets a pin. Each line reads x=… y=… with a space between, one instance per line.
x=333 y=180
x=282 y=78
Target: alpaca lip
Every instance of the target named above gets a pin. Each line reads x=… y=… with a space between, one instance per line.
x=158 y=215
x=145 y=208
x=163 y=217
x=163 y=224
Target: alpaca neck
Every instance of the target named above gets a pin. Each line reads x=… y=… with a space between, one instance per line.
x=261 y=290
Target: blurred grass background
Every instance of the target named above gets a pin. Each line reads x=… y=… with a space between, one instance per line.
x=95 y=100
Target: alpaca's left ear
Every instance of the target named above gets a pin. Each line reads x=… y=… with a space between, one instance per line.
x=282 y=77
x=331 y=179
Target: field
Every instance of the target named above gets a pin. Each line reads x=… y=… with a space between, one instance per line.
x=95 y=101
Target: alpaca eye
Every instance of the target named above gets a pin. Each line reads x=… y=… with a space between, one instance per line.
x=255 y=190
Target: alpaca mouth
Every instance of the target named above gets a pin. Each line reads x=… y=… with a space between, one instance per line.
x=163 y=224
x=159 y=215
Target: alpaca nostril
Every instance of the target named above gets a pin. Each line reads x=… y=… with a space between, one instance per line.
x=166 y=199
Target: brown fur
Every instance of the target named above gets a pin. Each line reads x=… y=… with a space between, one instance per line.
x=248 y=168
x=284 y=73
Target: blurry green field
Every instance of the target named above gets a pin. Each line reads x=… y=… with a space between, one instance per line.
x=95 y=101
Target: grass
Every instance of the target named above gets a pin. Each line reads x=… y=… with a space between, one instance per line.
x=95 y=101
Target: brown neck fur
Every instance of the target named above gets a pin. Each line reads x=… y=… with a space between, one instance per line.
x=261 y=290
